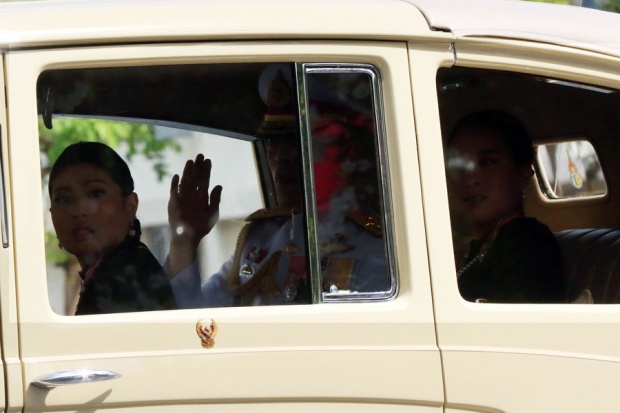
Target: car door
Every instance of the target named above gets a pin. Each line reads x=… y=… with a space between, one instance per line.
x=523 y=357
x=345 y=352
x=11 y=393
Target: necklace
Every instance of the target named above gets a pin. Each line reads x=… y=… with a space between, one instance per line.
x=464 y=266
x=486 y=245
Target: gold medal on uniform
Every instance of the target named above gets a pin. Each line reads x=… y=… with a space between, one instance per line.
x=295 y=275
x=247 y=271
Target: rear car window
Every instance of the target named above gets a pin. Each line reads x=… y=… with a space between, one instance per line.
x=570 y=169
x=529 y=160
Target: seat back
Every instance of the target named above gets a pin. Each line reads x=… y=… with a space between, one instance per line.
x=591 y=260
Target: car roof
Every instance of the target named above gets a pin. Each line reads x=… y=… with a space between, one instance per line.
x=565 y=25
x=81 y=22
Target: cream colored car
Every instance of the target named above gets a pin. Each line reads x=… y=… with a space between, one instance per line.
x=370 y=87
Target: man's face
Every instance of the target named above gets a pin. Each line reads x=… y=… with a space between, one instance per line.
x=284 y=160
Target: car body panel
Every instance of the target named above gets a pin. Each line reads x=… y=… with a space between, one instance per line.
x=9 y=337
x=426 y=350
x=30 y=25
x=318 y=346
x=537 y=348
x=525 y=21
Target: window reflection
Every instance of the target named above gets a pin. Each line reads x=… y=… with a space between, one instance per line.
x=348 y=192
x=243 y=119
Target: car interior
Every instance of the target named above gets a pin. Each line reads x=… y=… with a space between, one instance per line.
x=233 y=114
x=574 y=128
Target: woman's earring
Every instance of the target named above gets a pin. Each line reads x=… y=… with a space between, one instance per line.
x=132 y=230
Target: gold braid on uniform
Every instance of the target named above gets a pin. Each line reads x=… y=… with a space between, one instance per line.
x=261 y=282
x=369 y=222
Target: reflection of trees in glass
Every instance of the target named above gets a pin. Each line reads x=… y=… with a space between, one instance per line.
x=612 y=5
x=553 y=1
x=137 y=138
x=608 y=5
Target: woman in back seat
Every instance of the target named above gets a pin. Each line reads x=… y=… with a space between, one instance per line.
x=512 y=258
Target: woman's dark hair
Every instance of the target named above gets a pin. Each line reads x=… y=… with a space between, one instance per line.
x=98 y=154
x=511 y=130
x=102 y=156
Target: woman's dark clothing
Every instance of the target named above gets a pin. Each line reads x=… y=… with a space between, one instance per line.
x=521 y=265
x=127 y=279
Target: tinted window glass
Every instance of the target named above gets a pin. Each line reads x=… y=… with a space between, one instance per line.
x=191 y=135
x=351 y=234
x=512 y=242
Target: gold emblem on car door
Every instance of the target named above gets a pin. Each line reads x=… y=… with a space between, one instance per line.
x=206 y=330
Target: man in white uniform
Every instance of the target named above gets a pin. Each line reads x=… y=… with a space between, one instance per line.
x=269 y=264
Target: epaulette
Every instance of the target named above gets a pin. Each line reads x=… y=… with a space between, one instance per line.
x=334 y=246
x=371 y=223
x=264 y=213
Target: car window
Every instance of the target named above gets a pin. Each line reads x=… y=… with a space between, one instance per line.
x=297 y=155
x=570 y=169
x=346 y=152
x=532 y=221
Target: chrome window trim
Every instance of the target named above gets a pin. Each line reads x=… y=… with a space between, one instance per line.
x=383 y=170
x=314 y=260
x=3 y=214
